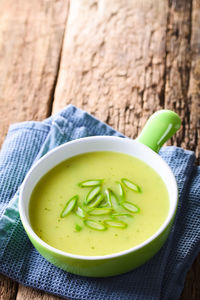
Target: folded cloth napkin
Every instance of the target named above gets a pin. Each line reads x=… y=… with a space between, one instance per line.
x=160 y=278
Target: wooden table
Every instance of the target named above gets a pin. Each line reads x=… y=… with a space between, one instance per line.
x=118 y=59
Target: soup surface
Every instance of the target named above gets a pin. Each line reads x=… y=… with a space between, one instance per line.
x=71 y=232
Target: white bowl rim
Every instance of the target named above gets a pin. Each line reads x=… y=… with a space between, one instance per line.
x=29 y=229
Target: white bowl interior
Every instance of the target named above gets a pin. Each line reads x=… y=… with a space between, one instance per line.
x=92 y=144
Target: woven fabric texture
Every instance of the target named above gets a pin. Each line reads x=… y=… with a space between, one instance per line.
x=160 y=278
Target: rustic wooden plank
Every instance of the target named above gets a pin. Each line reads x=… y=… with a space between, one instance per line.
x=192 y=286
x=123 y=60
x=113 y=61
x=31 y=35
x=8 y=288
x=182 y=82
x=25 y=293
x=194 y=83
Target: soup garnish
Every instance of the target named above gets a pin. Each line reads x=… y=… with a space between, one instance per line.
x=95 y=225
x=94 y=198
x=90 y=182
x=71 y=203
x=130 y=185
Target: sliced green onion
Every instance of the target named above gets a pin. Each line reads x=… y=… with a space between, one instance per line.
x=69 y=206
x=121 y=215
x=130 y=207
x=106 y=201
x=116 y=224
x=95 y=225
x=113 y=199
x=90 y=182
x=100 y=211
x=96 y=202
x=92 y=194
x=80 y=212
x=130 y=185
x=121 y=189
x=78 y=227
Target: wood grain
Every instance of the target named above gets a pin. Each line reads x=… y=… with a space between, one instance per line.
x=124 y=60
x=194 y=82
x=31 y=36
x=25 y=293
x=8 y=288
x=113 y=61
x=181 y=91
x=30 y=50
x=192 y=286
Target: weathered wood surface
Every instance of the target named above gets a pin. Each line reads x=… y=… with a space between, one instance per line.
x=31 y=37
x=121 y=60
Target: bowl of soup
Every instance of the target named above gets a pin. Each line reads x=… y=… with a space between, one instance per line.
x=102 y=206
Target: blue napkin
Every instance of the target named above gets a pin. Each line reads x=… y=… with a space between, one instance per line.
x=161 y=278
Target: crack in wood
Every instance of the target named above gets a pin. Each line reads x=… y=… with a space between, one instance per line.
x=52 y=91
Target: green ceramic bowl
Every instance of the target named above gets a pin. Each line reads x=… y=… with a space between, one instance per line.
x=161 y=126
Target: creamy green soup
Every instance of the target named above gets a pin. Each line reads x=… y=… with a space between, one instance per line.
x=75 y=232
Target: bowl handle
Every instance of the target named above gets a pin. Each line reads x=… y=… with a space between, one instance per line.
x=159 y=128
